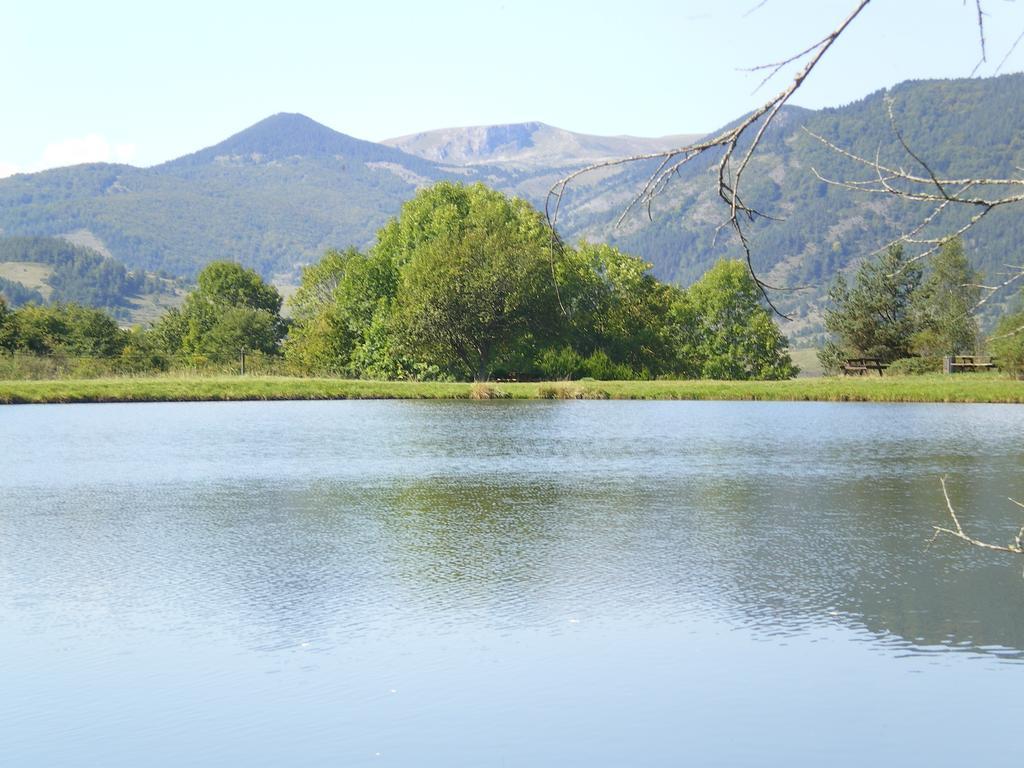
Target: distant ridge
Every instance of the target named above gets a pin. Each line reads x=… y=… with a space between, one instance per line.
x=527 y=145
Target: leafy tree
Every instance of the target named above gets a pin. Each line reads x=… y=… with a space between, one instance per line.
x=238 y=328
x=224 y=284
x=68 y=329
x=942 y=306
x=475 y=277
x=874 y=317
x=230 y=308
x=142 y=352
x=169 y=331
x=726 y=328
x=342 y=310
x=616 y=307
x=559 y=363
x=318 y=283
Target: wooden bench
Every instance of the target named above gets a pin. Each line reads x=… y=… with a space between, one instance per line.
x=859 y=366
x=966 y=363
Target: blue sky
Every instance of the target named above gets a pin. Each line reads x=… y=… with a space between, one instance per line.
x=141 y=83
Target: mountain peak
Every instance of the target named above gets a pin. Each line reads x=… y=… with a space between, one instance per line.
x=280 y=136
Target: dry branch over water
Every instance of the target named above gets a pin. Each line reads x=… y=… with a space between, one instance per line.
x=1015 y=548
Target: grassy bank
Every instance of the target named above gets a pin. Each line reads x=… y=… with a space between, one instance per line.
x=967 y=388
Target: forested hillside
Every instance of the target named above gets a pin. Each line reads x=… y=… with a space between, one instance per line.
x=961 y=127
x=38 y=270
x=278 y=194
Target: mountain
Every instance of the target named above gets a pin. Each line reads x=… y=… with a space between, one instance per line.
x=273 y=196
x=277 y=194
x=286 y=136
x=527 y=145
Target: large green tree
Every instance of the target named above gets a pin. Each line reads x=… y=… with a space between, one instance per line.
x=231 y=308
x=725 y=330
x=615 y=307
x=475 y=280
x=68 y=329
x=873 y=318
x=341 y=313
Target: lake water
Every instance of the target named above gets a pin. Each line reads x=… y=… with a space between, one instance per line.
x=508 y=584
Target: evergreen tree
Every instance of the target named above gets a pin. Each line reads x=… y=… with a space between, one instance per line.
x=873 y=318
x=943 y=306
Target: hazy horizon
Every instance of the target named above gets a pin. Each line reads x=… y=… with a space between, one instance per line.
x=97 y=86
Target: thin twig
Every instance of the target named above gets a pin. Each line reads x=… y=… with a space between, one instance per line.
x=1012 y=48
x=730 y=168
x=1015 y=548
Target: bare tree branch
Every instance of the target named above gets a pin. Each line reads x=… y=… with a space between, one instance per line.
x=1014 y=332
x=1016 y=548
x=760 y=5
x=730 y=167
x=1016 y=274
x=901 y=183
x=1012 y=49
x=981 y=35
x=892 y=181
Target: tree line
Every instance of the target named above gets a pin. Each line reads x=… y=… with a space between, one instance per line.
x=465 y=283
x=899 y=313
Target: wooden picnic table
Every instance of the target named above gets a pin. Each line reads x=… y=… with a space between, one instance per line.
x=966 y=363
x=859 y=366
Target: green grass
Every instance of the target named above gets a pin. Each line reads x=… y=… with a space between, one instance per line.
x=28 y=273
x=807 y=360
x=964 y=388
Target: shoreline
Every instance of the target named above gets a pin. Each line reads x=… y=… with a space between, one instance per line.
x=960 y=388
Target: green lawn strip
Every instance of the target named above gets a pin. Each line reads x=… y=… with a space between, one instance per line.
x=967 y=388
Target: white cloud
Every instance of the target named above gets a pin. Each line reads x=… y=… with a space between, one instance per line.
x=88 y=149
x=92 y=148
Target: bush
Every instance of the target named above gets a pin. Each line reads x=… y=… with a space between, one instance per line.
x=600 y=366
x=557 y=364
x=831 y=358
x=915 y=366
x=1007 y=344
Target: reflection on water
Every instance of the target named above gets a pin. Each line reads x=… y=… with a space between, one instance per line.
x=594 y=583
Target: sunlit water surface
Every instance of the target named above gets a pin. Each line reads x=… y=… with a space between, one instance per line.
x=508 y=584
